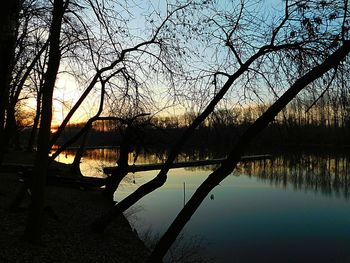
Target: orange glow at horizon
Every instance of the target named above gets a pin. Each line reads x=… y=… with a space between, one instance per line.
x=54 y=129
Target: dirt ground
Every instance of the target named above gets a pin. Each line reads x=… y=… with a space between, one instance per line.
x=66 y=236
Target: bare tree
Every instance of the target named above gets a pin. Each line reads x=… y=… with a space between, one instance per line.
x=34 y=225
x=274 y=45
x=312 y=47
x=121 y=62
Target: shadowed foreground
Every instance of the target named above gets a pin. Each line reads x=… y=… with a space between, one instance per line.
x=66 y=238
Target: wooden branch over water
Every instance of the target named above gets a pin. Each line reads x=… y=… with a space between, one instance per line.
x=158 y=166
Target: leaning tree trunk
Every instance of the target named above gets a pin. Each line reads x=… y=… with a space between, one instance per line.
x=34 y=226
x=237 y=151
x=75 y=166
x=9 y=19
x=117 y=176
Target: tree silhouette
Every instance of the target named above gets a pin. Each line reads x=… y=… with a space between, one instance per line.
x=34 y=225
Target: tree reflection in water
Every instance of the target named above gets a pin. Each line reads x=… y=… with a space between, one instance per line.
x=326 y=174
x=257 y=218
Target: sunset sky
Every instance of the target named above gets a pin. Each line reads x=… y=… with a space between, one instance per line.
x=68 y=90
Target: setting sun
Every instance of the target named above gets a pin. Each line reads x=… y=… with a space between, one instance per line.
x=54 y=129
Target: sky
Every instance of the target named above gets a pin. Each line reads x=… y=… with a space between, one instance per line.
x=69 y=90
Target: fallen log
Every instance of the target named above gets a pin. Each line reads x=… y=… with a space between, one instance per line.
x=148 y=167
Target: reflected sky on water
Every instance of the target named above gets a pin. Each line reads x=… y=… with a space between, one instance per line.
x=291 y=209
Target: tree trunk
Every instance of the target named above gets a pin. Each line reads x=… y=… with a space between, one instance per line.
x=34 y=226
x=114 y=180
x=9 y=19
x=34 y=130
x=237 y=151
x=11 y=131
x=75 y=166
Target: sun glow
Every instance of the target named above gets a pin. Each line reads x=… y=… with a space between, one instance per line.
x=66 y=93
x=54 y=129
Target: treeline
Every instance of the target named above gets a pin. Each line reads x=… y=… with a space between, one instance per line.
x=303 y=123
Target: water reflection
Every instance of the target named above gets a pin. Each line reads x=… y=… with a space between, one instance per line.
x=266 y=211
x=95 y=159
x=326 y=174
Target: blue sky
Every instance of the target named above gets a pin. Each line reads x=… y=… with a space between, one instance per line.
x=69 y=89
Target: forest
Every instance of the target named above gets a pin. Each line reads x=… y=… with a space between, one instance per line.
x=297 y=127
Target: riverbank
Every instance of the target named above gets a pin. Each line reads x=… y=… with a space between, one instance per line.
x=66 y=237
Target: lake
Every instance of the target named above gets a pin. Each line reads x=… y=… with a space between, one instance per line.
x=294 y=208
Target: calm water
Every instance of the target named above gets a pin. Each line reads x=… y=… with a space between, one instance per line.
x=294 y=209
